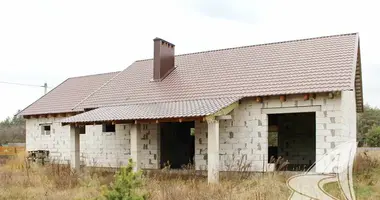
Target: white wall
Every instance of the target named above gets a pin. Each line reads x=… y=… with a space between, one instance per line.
x=245 y=136
x=149 y=146
x=105 y=148
x=97 y=148
x=57 y=142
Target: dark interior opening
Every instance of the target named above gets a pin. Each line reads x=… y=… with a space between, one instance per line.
x=177 y=144
x=108 y=128
x=292 y=136
x=46 y=128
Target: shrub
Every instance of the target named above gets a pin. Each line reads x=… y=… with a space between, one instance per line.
x=372 y=138
x=127 y=185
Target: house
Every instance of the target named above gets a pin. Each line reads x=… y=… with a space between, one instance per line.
x=295 y=99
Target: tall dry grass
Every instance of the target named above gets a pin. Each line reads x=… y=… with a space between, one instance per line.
x=23 y=180
x=260 y=187
x=366 y=178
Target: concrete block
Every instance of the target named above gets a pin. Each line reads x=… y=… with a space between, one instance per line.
x=334 y=126
x=262 y=128
x=323 y=132
x=323 y=145
x=320 y=114
x=225 y=146
x=328 y=107
x=227 y=151
x=334 y=114
x=289 y=103
x=322 y=120
x=321 y=138
x=257 y=157
x=231 y=140
x=240 y=145
x=322 y=126
x=320 y=101
x=304 y=103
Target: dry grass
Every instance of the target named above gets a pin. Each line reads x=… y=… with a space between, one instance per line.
x=366 y=177
x=262 y=186
x=20 y=180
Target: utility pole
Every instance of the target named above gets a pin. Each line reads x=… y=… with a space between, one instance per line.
x=45 y=87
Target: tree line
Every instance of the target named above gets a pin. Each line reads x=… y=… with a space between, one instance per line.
x=12 y=130
x=369 y=127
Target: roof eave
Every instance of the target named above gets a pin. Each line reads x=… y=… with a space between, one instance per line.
x=357 y=82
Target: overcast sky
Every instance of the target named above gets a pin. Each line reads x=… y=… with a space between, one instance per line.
x=49 y=41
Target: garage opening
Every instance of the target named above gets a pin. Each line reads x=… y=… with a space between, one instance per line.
x=292 y=136
x=177 y=144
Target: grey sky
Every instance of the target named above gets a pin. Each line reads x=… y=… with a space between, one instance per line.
x=44 y=40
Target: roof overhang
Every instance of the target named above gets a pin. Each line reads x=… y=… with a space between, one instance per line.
x=49 y=115
x=167 y=111
x=358 y=83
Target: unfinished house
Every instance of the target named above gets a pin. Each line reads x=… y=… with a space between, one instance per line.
x=212 y=110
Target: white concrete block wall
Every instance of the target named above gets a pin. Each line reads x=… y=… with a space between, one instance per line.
x=246 y=135
x=106 y=149
x=348 y=119
x=200 y=155
x=339 y=128
x=97 y=148
x=149 y=145
x=57 y=142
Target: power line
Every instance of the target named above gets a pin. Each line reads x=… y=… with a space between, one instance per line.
x=23 y=84
x=29 y=85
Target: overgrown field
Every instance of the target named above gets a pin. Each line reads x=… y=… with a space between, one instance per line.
x=21 y=180
x=366 y=177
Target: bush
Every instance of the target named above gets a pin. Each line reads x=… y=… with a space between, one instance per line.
x=373 y=137
x=127 y=185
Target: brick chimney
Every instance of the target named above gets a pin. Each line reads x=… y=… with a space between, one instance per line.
x=163 y=60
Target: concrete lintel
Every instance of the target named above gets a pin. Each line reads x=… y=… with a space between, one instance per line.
x=223 y=117
x=298 y=109
x=46 y=124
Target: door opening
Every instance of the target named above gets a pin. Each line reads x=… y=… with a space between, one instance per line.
x=292 y=136
x=177 y=144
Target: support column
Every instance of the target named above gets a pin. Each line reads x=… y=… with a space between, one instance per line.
x=158 y=153
x=213 y=151
x=74 y=148
x=135 y=151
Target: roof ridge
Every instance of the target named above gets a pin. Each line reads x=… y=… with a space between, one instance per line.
x=262 y=44
x=93 y=92
x=98 y=74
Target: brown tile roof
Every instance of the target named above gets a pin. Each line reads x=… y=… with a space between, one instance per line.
x=203 y=82
x=68 y=94
x=174 y=109
x=300 y=66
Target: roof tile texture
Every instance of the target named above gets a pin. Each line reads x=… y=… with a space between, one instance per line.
x=301 y=66
x=68 y=94
x=191 y=108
